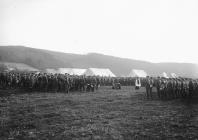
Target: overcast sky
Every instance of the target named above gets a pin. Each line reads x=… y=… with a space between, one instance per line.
x=152 y=30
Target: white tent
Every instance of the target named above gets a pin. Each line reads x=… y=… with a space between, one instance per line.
x=99 y=72
x=77 y=71
x=64 y=70
x=164 y=74
x=71 y=71
x=137 y=73
x=173 y=75
x=53 y=71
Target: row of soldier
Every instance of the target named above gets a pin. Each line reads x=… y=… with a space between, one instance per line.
x=167 y=88
x=45 y=82
x=172 y=88
x=56 y=82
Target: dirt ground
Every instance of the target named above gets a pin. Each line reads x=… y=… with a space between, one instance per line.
x=105 y=114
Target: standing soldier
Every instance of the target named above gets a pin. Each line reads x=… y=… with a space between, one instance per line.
x=148 y=87
x=137 y=83
x=151 y=86
x=163 y=89
x=55 y=83
x=169 y=89
x=182 y=88
x=185 y=88
x=190 y=90
x=44 y=82
x=158 y=84
x=66 y=83
x=178 y=88
x=50 y=83
x=196 y=87
x=97 y=83
x=174 y=89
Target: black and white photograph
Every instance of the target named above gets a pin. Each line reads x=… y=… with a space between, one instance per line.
x=98 y=70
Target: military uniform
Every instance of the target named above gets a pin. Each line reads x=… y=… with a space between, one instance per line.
x=149 y=86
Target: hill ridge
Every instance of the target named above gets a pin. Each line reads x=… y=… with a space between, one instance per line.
x=42 y=59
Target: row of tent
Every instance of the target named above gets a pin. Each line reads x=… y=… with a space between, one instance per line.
x=104 y=72
x=76 y=71
x=172 y=75
x=87 y=72
x=143 y=74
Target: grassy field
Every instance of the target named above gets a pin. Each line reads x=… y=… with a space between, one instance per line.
x=105 y=114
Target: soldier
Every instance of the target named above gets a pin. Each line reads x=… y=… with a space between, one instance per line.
x=97 y=83
x=169 y=89
x=55 y=83
x=93 y=84
x=2 y=80
x=178 y=88
x=163 y=89
x=182 y=88
x=174 y=88
x=44 y=82
x=88 y=84
x=149 y=85
x=137 y=83
x=186 y=88
x=66 y=83
x=190 y=90
x=50 y=83
x=158 y=83
x=196 y=87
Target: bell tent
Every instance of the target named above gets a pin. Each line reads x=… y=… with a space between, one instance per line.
x=164 y=74
x=173 y=75
x=137 y=73
x=77 y=71
x=71 y=71
x=99 y=72
x=53 y=71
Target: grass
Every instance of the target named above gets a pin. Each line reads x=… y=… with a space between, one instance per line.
x=104 y=114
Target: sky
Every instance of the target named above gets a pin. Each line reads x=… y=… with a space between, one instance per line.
x=151 y=30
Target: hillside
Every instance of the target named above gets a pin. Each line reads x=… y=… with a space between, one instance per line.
x=16 y=66
x=42 y=59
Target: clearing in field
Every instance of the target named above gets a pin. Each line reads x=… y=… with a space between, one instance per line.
x=104 y=114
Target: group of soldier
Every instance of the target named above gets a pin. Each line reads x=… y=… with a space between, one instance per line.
x=44 y=82
x=171 y=88
x=48 y=82
x=167 y=88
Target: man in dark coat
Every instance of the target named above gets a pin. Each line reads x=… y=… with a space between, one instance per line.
x=149 y=86
x=190 y=88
